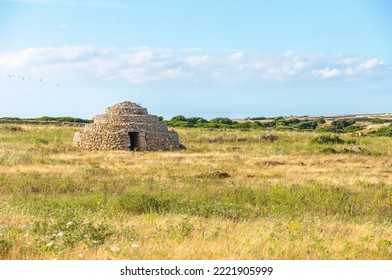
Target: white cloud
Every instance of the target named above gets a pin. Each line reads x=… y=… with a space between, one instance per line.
x=143 y=65
x=326 y=73
x=236 y=56
x=140 y=57
x=370 y=63
x=198 y=60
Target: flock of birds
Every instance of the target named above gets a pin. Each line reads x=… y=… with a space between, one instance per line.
x=11 y=76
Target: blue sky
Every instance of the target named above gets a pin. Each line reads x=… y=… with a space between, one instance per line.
x=196 y=58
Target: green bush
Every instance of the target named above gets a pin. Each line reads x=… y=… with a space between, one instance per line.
x=307 y=125
x=378 y=121
x=70 y=119
x=384 y=131
x=222 y=121
x=282 y=122
x=258 y=119
x=295 y=121
x=244 y=125
x=341 y=124
x=10 y=119
x=329 y=129
x=195 y=120
x=180 y=124
x=327 y=139
x=353 y=128
x=178 y=118
x=320 y=120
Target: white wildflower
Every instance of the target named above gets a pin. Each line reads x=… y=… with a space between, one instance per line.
x=135 y=245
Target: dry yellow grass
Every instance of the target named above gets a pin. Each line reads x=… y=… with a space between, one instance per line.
x=44 y=179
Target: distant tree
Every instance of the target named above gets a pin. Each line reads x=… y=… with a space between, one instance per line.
x=307 y=125
x=281 y=122
x=320 y=120
x=378 y=121
x=195 y=120
x=178 y=118
x=201 y=121
x=222 y=121
x=341 y=124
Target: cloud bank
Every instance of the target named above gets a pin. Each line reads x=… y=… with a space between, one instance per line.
x=144 y=65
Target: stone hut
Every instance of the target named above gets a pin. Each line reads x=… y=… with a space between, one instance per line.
x=127 y=126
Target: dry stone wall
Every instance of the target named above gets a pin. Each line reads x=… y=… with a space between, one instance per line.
x=126 y=126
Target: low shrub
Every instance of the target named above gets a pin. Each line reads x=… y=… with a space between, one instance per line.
x=320 y=120
x=327 y=139
x=222 y=121
x=307 y=125
x=384 y=131
x=341 y=124
x=352 y=128
x=378 y=121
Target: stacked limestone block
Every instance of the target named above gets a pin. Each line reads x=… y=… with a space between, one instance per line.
x=111 y=131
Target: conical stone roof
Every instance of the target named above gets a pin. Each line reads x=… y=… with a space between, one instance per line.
x=126 y=108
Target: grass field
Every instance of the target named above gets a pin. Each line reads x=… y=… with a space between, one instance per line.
x=230 y=195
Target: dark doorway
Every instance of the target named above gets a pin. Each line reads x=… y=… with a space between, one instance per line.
x=133 y=136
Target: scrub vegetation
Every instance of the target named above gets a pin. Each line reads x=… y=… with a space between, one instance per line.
x=257 y=192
